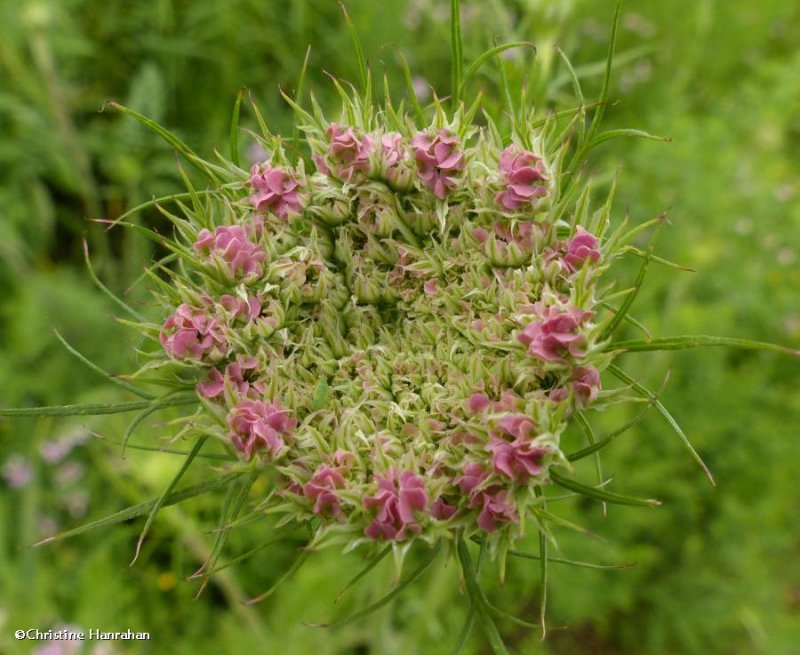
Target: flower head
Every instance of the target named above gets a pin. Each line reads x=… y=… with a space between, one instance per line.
x=275 y=190
x=439 y=160
x=258 y=426
x=524 y=176
x=231 y=243
x=398 y=500
x=556 y=335
x=581 y=248
x=191 y=333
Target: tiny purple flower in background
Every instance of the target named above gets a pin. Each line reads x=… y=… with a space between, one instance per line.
x=259 y=426
x=349 y=154
x=422 y=88
x=190 y=333
x=68 y=474
x=439 y=160
x=521 y=170
x=581 y=248
x=231 y=243
x=17 y=472
x=555 y=336
x=321 y=488
x=397 y=500
x=275 y=190
x=53 y=452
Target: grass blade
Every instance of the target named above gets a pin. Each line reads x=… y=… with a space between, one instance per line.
x=645 y=393
x=122 y=383
x=359 y=51
x=371 y=565
x=457 y=56
x=234 y=139
x=570 y=562
x=97 y=409
x=160 y=501
x=696 y=341
x=488 y=54
x=143 y=508
x=601 y=494
x=479 y=602
x=413 y=577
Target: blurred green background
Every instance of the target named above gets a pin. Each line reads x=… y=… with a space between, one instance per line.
x=718 y=570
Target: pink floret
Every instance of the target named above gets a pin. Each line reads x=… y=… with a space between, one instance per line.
x=259 y=426
x=349 y=154
x=556 y=335
x=397 y=501
x=321 y=489
x=190 y=333
x=581 y=248
x=275 y=190
x=230 y=242
x=523 y=172
x=439 y=160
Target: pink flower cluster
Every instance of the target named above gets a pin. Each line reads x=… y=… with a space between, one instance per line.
x=523 y=172
x=398 y=499
x=322 y=490
x=230 y=242
x=349 y=154
x=191 y=333
x=239 y=375
x=556 y=335
x=439 y=160
x=585 y=384
x=492 y=501
x=275 y=190
x=581 y=248
x=257 y=426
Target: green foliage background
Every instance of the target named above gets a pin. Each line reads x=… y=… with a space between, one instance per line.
x=718 y=570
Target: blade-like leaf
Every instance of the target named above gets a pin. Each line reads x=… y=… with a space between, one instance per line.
x=160 y=501
x=457 y=56
x=143 y=508
x=370 y=565
x=96 y=409
x=601 y=494
x=622 y=375
x=696 y=341
x=122 y=383
x=401 y=586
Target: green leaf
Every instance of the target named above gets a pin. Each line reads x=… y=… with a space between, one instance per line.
x=234 y=139
x=111 y=378
x=488 y=54
x=412 y=94
x=209 y=170
x=298 y=562
x=457 y=56
x=105 y=289
x=479 y=602
x=96 y=409
x=620 y=314
x=696 y=341
x=143 y=508
x=601 y=494
x=370 y=565
x=570 y=562
x=645 y=393
x=401 y=586
x=587 y=429
x=359 y=51
x=602 y=443
x=160 y=501
x=624 y=133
